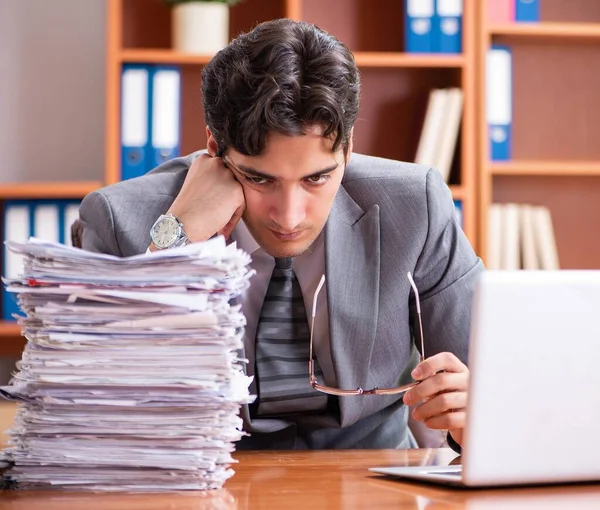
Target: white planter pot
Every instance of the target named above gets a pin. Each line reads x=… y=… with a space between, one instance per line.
x=200 y=27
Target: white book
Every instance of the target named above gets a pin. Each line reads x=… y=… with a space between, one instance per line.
x=529 y=250
x=134 y=111
x=450 y=126
x=16 y=228
x=545 y=239
x=511 y=245
x=432 y=128
x=495 y=236
x=165 y=109
x=498 y=101
x=46 y=222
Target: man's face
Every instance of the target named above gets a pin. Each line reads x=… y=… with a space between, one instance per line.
x=289 y=190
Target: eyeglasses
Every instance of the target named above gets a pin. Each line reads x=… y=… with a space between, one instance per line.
x=359 y=391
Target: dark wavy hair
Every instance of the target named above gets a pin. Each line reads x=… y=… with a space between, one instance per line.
x=283 y=76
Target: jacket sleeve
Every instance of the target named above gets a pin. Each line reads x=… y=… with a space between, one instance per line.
x=98 y=225
x=445 y=274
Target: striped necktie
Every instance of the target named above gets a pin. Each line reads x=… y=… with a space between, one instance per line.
x=282 y=348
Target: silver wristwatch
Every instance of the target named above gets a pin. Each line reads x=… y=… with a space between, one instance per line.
x=167 y=232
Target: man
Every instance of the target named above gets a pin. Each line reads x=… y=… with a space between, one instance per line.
x=279 y=177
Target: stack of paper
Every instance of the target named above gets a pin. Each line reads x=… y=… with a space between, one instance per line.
x=131 y=378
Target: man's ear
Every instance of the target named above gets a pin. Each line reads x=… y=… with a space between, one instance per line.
x=211 y=143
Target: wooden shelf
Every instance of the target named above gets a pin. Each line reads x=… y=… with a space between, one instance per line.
x=397 y=59
x=548 y=29
x=11 y=341
x=546 y=168
x=162 y=57
x=363 y=58
x=9 y=329
x=458 y=192
x=33 y=190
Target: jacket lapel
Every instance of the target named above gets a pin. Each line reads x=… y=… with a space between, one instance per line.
x=352 y=273
x=352 y=278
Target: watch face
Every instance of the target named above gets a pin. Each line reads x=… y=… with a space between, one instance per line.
x=165 y=232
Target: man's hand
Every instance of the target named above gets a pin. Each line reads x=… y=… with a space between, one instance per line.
x=441 y=395
x=211 y=200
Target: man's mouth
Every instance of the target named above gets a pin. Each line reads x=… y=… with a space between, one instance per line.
x=286 y=236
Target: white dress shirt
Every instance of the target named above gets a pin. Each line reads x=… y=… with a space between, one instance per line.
x=309 y=267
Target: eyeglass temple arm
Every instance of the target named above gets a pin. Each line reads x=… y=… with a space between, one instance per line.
x=314 y=312
x=312 y=324
x=414 y=287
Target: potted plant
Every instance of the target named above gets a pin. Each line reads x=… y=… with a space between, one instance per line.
x=200 y=26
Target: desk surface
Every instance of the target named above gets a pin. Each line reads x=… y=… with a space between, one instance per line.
x=316 y=480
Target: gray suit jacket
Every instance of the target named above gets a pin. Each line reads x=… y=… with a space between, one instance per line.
x=388 y=218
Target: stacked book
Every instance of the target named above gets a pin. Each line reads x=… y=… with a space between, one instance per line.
x=521 y=236
x=131 y=379
x=441 y=126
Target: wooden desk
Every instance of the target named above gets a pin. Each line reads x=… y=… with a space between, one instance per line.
x=316 y=480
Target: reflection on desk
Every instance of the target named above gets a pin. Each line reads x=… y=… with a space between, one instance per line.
x=429 y=497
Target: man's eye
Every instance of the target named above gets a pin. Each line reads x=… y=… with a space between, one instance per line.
x=256 y=180
x=318 y=179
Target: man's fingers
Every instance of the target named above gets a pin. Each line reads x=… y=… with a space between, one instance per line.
x=228 y=229
x=449 y=421
x=444 y=361
x=440 y=404
x=439 y=383
x=196 y=166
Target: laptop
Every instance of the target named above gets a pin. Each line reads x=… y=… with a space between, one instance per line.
x=533 y=415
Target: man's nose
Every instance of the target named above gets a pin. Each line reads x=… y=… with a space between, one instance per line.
x=290 y=209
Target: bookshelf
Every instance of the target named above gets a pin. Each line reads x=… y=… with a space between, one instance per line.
x=11 y=341
x=395 y=87
x=395 y=84
x=556 y=115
